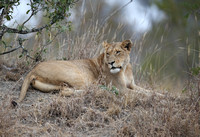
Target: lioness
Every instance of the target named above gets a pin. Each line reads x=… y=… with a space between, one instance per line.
x=77 y=74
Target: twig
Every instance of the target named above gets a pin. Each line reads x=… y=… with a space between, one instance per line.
x=27 y=19
x=20 y=46
x=1 y=16
x=49 y=42
x=117 y=10
x=27 y=54
x=23 y=49
x=33 y=12
x=10 y=51
x=2 y=31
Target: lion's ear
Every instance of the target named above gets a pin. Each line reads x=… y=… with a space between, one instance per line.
x=105 y=44
x=127 y=44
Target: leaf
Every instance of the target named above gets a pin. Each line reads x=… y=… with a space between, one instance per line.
x=20 y=56
x=8 y=17
x=27 y=11
x=45 y=50
x=115 y=90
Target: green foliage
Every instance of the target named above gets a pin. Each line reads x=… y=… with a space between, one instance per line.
x=191 y=7
x=195 y=71
x=178 y=11
x=7 y=6
x=53 y=10
x=113 y=89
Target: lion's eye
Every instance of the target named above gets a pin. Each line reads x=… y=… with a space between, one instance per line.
x=117 y=52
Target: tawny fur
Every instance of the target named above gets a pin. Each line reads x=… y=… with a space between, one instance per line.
x=77 y=74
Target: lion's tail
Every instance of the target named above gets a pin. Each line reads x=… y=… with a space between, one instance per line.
x=25 y=86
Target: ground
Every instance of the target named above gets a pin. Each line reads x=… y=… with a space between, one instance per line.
x=94 y=112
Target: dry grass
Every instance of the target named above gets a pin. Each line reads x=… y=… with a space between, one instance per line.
x=98 y=112
x=94 y=112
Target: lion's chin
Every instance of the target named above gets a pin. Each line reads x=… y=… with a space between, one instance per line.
x=116 y=70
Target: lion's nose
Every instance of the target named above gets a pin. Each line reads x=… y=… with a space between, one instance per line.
x=111 y=63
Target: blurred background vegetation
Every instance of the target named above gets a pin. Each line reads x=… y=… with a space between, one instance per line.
x=164 y=55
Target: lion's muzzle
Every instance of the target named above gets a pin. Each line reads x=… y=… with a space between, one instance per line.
x=115 y=69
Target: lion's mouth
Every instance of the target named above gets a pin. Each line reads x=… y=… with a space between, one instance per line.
x=115 y=69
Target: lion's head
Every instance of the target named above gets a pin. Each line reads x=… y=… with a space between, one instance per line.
x=116 y=55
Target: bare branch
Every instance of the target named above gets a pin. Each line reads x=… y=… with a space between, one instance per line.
x=12 y=50
x=4 y=28
x=13 y=30
x=27 y=19
x=33 y=12
x=24 y=51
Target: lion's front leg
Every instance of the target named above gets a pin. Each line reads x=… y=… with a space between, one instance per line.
x=66 y=91
x=138 y=89
x=144 y=91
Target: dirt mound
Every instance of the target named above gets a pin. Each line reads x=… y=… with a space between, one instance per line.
x=96 y=112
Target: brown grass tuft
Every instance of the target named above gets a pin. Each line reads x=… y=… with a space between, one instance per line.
x=7 y=119
x=69 y=108
x=102 y=113
x=127 y=131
